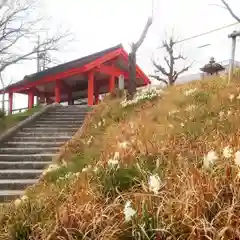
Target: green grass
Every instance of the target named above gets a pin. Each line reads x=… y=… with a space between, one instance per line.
x=11 y=120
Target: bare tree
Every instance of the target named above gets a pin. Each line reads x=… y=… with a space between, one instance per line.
x=20 y=28
x=169 y=76
x=132 y=59
x=227 y=6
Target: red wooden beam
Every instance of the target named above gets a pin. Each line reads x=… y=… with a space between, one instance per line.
x=111 y=70
x=69 y=73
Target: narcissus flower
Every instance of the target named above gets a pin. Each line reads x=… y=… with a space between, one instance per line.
x=227 y=152
x=128 y=211
x=154 y=183
x=237 y=158
x=209 y=159
x=231 y=97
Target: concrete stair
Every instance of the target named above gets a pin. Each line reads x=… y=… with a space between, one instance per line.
x=25 y=155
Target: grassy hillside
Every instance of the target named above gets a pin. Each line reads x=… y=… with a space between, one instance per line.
x=11 y=120
x=164 y=167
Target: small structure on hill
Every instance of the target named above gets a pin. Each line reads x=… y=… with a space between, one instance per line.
x=212 y=67
x=87 y=77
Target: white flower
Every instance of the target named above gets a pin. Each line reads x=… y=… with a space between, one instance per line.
x=190 y=108
x=24 y=198
x=17 y=202
x=209 y=159
x=100 y=124
x=96 y=169
x=231 y=97
x=190 y=92
x=238 y=97
x=154 y=183
x=182 y=124
x=51 y=168
x=227 y=152
x=123 y=145
x=116 y=156
x=77 y=174
x=237 y=158
x=128 y=211
x=87 y=168
x=113 y=163
x=221 y=114
x=229 y=113
x=173 y=112
x=90 y=140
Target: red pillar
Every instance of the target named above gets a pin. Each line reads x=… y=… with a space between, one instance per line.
x=111 y=83
x=91 y=88
x=57 y=92
x=30 y=99
x=10 y=103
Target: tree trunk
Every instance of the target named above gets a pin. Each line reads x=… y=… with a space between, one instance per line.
x=132 y=74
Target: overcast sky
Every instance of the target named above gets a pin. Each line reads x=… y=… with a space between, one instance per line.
x=100 y=24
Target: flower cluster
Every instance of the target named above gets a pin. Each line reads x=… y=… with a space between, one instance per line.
x=190 y=91
x=124 y=145
x=113 y=163
x=173 y=112
x=51 y=168
x=212 y=156
x=145 y=94
x=21 y=200
x=87 y=168
x=190 y=108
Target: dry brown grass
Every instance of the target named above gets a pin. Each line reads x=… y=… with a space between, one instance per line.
x=193 y=202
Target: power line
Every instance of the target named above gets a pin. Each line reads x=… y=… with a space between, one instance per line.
x=205 y=33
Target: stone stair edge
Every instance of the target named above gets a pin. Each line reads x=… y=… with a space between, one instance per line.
x=10 y=132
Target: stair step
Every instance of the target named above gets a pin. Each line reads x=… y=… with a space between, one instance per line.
x=28 y=150
x=20 y=174
x=68 y=120
x=33 y=144
x=56 y=125
x=9 y=195
x=24 y=164
x=65 y=117
x=27 y=157
x=42 y=139
x=16 y=184
x=45 y=134
x=61 y=112
x=50 y=129
x=60 y=121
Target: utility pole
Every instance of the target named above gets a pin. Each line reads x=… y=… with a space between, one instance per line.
x=233 y=36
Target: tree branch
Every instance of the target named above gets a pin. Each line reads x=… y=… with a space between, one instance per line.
x=177 y=74
x=159 y=79
x=143 y=36
x=160 y=68
x=230 y=10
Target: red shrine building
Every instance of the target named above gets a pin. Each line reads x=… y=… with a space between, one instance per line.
x=87 y=77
